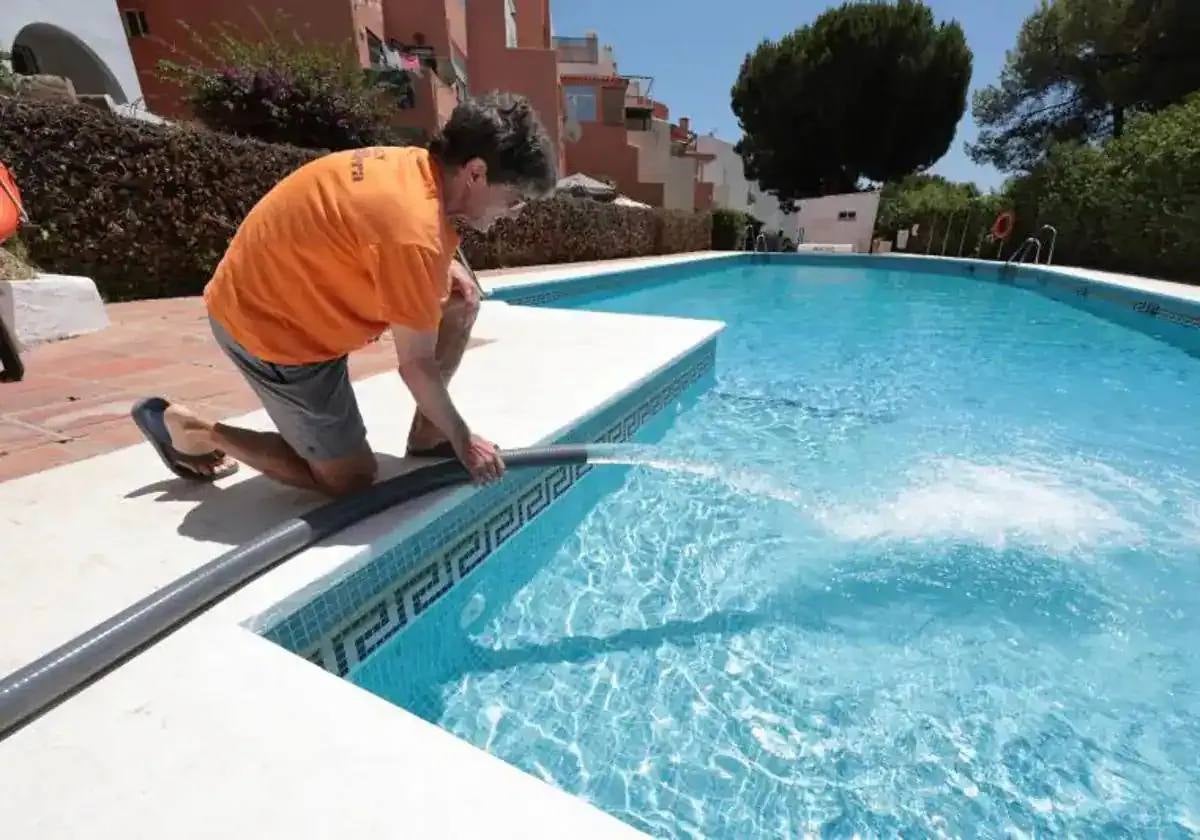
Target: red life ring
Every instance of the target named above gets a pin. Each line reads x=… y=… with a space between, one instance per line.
x=11 y=214
x=1002 y=228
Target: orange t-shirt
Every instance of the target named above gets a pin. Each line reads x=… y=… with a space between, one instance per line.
x=336 y=252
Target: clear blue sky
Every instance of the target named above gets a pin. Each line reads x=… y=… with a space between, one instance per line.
x=694 y=54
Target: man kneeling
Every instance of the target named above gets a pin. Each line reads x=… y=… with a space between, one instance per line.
x=346 y=247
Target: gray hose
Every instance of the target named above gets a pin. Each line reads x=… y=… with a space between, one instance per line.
x=39 y=686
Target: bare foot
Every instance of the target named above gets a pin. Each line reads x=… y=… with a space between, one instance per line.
x=192 y=435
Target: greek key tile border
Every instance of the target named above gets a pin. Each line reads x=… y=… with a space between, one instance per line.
x=342 y=626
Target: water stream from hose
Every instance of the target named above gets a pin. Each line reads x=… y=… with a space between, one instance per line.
x=742 y=481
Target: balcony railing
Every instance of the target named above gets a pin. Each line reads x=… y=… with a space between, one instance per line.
x=637 y=92
x=577 y=50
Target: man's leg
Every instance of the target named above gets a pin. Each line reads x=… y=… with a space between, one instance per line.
x=454 y=333
x=269 y=453
x=321 y=443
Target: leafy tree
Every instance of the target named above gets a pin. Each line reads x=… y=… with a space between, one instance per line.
x=947 y=212
x=868 y=90
x=1079 y=68
x=1131 y=204
x=917 y=197
x=282 y=89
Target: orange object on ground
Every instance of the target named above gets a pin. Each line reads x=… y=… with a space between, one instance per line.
x=11 y=211
x=1002 y=228
x=335 y=253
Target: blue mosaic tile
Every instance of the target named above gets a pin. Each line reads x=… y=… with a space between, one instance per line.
x=343 y=625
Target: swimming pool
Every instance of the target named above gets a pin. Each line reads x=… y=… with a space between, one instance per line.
x=923 y=560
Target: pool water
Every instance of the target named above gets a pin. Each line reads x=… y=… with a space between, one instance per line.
x=924 y=561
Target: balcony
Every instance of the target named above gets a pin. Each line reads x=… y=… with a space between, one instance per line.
x=637 y=94
x=584 y=50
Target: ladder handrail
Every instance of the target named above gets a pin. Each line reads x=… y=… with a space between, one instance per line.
x=1019 y=254
x=1053 y=239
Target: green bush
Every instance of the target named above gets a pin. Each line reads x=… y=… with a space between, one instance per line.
x=729 y=230
x=566 y=229
x=678 y=231
x=282 y=89
x=147 y=211
x=1131 y=205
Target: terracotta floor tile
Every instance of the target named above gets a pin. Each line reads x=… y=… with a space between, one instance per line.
x=50 y=392
x=20 y=436
x=79 y=391
x=121 y=366
x=110 y=434
x=25 y=461
x=80 y=414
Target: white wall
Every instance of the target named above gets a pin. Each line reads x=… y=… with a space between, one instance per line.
x=817 y=216
x=96 y=23
x=732 y=191
x=820 y=223
x=656 y=165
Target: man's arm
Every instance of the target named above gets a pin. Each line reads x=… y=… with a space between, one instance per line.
x=419 y=369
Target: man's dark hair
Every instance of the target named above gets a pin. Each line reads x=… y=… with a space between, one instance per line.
x=503 y=131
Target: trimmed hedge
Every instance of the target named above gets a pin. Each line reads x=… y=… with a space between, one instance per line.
x=729 y=229
x=678 y=231
x=566 y=229
x=147 y=211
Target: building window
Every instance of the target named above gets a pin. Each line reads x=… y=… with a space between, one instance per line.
x=374 y=49
x=510 y=24
x=581 y=103
x=847 y=215
x=135 y=23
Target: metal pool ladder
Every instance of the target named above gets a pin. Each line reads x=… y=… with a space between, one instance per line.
x=1035 y=242
x=1019 y=255
x=1053 y=239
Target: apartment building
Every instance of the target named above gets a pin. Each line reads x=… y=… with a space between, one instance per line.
x=615 y=129
x=429 y=43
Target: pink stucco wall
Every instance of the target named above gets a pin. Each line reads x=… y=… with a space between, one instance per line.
x=528 y=71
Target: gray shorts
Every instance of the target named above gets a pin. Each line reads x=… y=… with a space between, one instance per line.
x=313 y=405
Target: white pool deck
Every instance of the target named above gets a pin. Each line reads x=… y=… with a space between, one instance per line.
x=215 y=732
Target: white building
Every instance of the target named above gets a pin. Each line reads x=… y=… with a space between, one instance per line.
x=658 y=164
x=847 y=219
x=83 y=40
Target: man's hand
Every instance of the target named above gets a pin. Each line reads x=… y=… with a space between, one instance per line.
x=482 y=460
x=463 y=284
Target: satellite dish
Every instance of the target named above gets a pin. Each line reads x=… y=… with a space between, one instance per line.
x=572 y=131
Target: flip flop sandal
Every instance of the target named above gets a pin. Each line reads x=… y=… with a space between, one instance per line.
x=148 y=416
x=441 y=450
